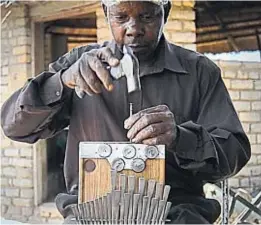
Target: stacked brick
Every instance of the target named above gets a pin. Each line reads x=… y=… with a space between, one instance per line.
x=180 y=28
x=16 y=158
x=243 y=80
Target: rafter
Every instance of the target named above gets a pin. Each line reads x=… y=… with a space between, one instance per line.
x=214 y=15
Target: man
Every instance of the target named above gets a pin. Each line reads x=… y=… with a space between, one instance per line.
x=184 y=105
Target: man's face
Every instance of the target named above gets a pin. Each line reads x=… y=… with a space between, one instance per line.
x=137 y=24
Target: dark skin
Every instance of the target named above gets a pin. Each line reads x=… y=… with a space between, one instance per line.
x=139 y=25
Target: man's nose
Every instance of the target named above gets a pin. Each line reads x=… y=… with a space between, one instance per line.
x=134 y=28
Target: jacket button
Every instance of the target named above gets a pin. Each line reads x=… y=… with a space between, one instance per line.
x=57 y=93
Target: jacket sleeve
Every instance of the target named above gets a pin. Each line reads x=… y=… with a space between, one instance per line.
x=41 y=108
x=213 y=147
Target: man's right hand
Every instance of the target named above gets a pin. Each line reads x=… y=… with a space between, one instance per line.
x=88 y=74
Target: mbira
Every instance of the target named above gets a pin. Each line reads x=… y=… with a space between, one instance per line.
x=121 y=183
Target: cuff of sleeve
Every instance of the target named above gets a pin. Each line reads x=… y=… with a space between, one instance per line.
x=53 y=89
x=194 y=143
x=186 y=143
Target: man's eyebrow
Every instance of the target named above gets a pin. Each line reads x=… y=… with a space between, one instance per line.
x=117 y=11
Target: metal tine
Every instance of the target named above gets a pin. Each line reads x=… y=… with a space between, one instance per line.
x=92 y=212
x=160 y=209
x=126 y=207
x=131 y=189
x=115 y=205
x=150 y=192
x=88 y=214
x=80 y=210
x=109 y=207
x=144 y=208
x=105 y=211
x=163 y=202
x=84 y=213
x=154 y=216
x=141 y=191
x=75 y=212
x=113 y=179
x=153 y=204
x=158 y=195
x=159 y=191
x=101 y=215
x=151 y=187
x=123 y=189
x=166 y=192
x=142 y=185
x=136 y=198
x=96 y=210
x=166 y=212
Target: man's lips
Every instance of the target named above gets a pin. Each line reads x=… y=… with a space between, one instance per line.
x=137 y=47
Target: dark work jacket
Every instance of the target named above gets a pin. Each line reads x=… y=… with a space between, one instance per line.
x=211 y=143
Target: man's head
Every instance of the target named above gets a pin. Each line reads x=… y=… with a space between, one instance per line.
x=138 y=24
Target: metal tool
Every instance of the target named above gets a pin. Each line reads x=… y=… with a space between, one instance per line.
x=123 y=206
x=128 y=67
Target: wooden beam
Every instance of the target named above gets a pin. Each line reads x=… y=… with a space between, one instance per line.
x=83 y=41
x=39 y=153
x=55 y=10
x=199 y=43
x=239 y=24
x=72 y=31
x=230 y=31
x=70 y=38
x=246 y=43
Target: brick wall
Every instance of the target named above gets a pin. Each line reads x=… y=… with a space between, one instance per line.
x=16 y=158
x=243 y=80
x=180 y=28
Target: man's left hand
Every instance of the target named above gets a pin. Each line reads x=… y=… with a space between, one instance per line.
x=152 y=126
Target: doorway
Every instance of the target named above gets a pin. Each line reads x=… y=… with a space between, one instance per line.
x=64 y=34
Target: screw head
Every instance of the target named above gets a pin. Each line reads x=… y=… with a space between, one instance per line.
x=129 y=152
x=104 y=150
x=138 y=165
x=89 y=165
x=151 y=152
x=118 y=164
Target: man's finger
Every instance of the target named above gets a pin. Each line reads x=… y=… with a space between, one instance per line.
x=102 y=73
x=107 y=55
x=133 y=119
x=148 y=119
x=159 y=140
x=82 y=86
x=152 y=131
x=90 y=78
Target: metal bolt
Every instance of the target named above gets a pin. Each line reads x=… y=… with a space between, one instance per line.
x=129 y=152
x=118 y=164
x=151 y=152
x=104 y=150
x=138 y=165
